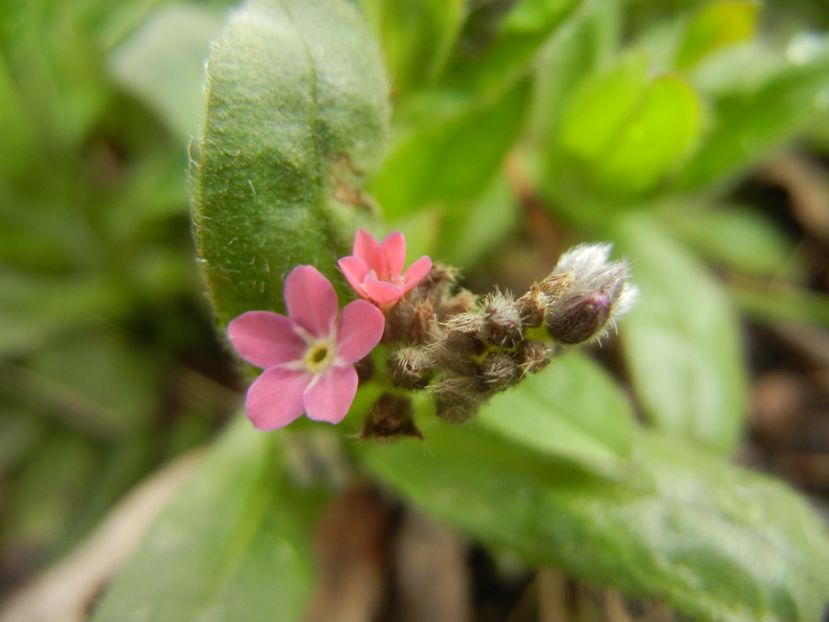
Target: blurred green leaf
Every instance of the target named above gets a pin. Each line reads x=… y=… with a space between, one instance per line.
x=572 y=410
x=96 y=379
x=450 y=159
x=46 y=496
x=664 y=128
x=20 y=430
x=512 y=47
x=782 y=303
x=626 y=131
x=746 y=125
x=416 y=37
x=717 y=25
x=584 y=44
x=682 y=341
x=741 y=240
x=296 y=105
x=234 y=544
x=34 y=309
x=600 y=108
x=716 y=542
x=162 y=63
x=469 y=232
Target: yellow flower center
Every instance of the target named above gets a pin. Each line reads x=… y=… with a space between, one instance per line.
x=319 y=356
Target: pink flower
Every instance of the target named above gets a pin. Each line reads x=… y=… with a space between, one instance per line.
x=375 y=269
x=309 y=356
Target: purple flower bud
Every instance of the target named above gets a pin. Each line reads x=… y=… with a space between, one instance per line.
x=579 y=317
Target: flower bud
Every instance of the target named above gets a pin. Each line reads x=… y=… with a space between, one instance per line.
x=578 y=318
x=461 y=302
x=410 y=367
x=534 y=356
x=499 y=372
x=458 y=399
x=390 y=418
x=556 y=284
x=532 y=307
x=501 y=322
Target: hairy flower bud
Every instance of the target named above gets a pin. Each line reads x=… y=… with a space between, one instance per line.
x=556 y=284
x=534 y=356
x=501 y=322
x=410 y=367
x=499 y=372
x=578 y=318
x=461 y=302
x=391 y=417
x=532 y=306
x=458 y=399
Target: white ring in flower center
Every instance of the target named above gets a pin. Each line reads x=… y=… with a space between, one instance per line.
x=319 y=356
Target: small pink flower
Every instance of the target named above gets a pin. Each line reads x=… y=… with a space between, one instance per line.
x=375 y=269
x=309 y=356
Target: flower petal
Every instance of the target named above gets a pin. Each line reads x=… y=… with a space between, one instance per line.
x=416 y=272
x=311 y=300
x=329 y=397
x=360 y=329
x=264 y=338
x=381 y=292
x=276 y=397
x=393 y=249
x=355 y=270
x=367 y=249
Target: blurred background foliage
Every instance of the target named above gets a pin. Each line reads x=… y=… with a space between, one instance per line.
x=679 y=130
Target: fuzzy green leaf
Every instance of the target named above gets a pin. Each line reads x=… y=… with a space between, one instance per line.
x=716 y=542
x=296 y=110
x=682 y=341
x=233 y=545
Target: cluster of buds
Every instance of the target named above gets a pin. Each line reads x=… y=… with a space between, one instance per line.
x=439 y=337
x=464 y=350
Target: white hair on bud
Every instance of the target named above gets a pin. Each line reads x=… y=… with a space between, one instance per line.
x=584 y=259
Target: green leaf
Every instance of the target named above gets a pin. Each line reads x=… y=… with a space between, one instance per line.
x=512 y=47
x=46 y=496
x=663 y=130
x=716 y=542
x=682 y=341
x=741 y=240
x=296 y=105
x=586 y=43
x=448 y=159
x=625 y=131
x=416 y=37
x=34 y=309
x=572 y=411
x=162 y=63
x=716 y=26
x=600 y=108
x=746 y=125
x=234 y=543
x=778 y=303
